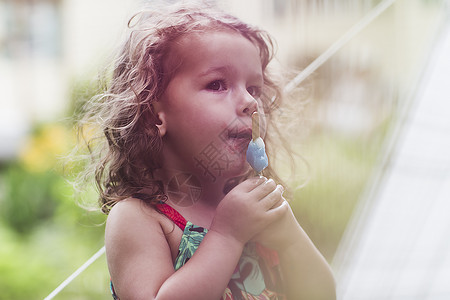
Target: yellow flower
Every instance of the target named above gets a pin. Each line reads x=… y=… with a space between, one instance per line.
x=43 y=150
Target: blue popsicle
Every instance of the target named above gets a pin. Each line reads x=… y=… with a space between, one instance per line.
x=256 y=151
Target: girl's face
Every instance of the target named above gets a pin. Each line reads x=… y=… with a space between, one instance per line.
x=207 y=106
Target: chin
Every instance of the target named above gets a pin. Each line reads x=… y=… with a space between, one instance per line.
x=238 y=170
x=222 y=168
x=233 y=181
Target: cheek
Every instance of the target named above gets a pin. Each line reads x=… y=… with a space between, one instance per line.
x=205 y=123
x=211 y=118
x=197 y=130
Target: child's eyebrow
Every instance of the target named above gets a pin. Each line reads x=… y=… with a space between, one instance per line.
x=257 y=76
x=215 y=70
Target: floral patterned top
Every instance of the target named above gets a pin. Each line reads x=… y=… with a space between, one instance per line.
x=257 y=275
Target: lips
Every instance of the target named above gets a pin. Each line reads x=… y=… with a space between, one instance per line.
x=238 y=140
x=241 y=134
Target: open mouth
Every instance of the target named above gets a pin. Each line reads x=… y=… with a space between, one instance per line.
x=238 y=140
x=243 y=134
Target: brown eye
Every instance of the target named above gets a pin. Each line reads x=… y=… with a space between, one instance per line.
x=254 y=91
x=216 y=85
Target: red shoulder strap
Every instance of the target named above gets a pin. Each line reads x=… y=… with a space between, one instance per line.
x=172 y=214
x=269 y=255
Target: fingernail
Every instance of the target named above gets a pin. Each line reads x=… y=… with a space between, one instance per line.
x=261 y=179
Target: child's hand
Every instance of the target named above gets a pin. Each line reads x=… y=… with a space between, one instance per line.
x=280 y=234
x=248 y=208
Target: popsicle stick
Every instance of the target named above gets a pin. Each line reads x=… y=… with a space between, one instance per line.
x=255 y=126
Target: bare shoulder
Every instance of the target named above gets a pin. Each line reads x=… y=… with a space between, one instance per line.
x=131 y=221
x=136 y=242
x=131 y=207
x=131 y=216
x=130 y=225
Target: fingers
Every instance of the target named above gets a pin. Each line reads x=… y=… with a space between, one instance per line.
x=279 y=211
x=263 y=190
x=267 y=192
x=274 y=198
x=251 y=183
x=259 y=186
x=263 y=187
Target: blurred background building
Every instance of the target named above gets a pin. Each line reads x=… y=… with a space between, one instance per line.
x=44 y=46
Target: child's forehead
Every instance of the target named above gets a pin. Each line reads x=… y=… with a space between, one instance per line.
x=204 y=37
x=197 y=43
x=216 y=47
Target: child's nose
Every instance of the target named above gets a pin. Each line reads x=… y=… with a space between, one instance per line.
x=247 y=104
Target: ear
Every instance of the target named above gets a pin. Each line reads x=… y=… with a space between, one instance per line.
x=162 y=128
x=161 y=118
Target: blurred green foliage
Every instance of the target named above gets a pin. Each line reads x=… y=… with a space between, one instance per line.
x=46 y=231
x=340 y=169
x=28 y=199
x=44 y=234
x=80 y=92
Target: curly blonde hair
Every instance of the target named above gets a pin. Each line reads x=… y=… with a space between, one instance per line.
x=127 y=151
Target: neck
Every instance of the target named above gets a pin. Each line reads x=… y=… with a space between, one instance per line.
x=193 y=195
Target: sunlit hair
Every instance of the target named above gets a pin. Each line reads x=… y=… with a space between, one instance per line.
x=129 y=149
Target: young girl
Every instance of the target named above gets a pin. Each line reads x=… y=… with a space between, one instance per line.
x=188 y=219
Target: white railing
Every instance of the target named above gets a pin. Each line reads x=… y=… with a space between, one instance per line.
x=75 y=274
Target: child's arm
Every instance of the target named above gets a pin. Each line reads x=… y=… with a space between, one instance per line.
x=306 y=273
x=140 y=260
x=139 y=256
